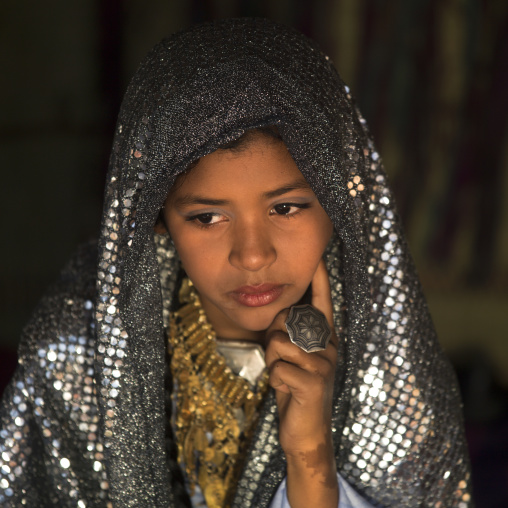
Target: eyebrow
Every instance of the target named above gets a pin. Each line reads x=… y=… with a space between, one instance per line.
x=196 y=199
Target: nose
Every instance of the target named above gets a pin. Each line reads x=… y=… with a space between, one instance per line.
x=252 y=247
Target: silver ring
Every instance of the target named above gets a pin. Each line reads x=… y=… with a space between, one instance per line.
x=307 y=328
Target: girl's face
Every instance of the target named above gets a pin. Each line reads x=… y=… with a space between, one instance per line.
x=250 y=233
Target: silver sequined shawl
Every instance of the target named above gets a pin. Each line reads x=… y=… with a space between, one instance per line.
x=85 y=419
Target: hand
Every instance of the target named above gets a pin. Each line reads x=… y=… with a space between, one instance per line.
x=304 y=385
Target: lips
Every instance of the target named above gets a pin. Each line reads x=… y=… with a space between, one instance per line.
x=257 y=296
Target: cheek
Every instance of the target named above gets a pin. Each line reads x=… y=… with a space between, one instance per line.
x=183 y=245
x=318 y=239
x=199 y=260
x=318 y=235
x=326 y=231
x=303 y=251
x=183 y=241
x=191 y=255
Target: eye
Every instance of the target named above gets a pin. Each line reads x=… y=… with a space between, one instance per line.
x=288 y=209
x=205 y=219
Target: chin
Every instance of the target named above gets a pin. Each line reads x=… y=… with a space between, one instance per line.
x=258 y=321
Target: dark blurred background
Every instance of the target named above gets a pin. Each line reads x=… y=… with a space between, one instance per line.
x=430 y=76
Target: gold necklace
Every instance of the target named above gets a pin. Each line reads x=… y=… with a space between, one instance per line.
x=216 y=410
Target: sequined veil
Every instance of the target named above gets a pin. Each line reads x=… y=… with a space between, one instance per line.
x=85 y=420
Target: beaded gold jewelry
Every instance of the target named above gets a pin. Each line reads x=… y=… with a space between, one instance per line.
x=216 y=410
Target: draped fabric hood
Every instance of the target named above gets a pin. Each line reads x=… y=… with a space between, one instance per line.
x=397 y=424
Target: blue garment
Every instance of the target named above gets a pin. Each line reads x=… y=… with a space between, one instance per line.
x=348 y=497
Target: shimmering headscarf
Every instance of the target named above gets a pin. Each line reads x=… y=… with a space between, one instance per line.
x=397 y=425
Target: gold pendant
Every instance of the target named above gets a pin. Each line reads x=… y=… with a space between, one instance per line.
x=216 y=409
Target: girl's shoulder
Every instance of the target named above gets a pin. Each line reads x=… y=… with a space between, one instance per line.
x=64 y=314
x=49 y=410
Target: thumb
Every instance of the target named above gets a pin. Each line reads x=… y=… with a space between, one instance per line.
x=321 y=296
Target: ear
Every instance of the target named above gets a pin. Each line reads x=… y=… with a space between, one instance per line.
x=160 y=228
x=160 y=225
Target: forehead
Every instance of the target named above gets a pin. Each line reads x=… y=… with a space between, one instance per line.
x=261 y=164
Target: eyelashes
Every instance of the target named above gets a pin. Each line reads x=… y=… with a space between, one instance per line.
x=285 y=210
x=204 y=219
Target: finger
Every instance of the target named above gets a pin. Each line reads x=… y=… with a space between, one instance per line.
x=304 y=386
x=280 y=348
x=278 y=322
x=321 y=295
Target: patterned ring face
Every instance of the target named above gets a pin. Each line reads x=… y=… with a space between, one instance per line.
x=307 y=328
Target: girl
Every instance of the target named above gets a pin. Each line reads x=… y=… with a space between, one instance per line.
x=141 y=379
